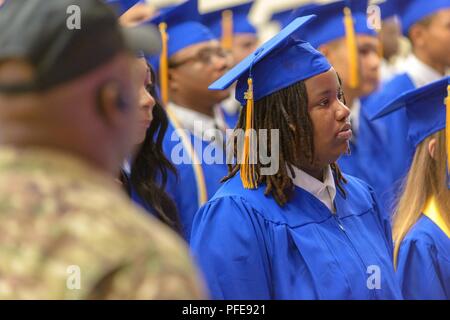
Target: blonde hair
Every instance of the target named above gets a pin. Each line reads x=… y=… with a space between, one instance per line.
x=427 y=177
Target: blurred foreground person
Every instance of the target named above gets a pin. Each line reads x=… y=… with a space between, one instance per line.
x=144 y=175
x=67 y=118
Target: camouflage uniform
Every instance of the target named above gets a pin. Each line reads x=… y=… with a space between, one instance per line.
x=63 y=225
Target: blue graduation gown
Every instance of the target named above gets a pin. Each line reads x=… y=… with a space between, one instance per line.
x=424 y=262
x=250 y=248
x=388 y=138
x=368 y=159
x=351 y=164
x=138 y=200
x=183 y=188
x=231 y=119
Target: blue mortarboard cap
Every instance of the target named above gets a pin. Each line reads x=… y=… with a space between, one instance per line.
x=425 y=108
x=241 y=23
x=412 y=11
x=277 y=64
x=183 y=26
x=122 y=6
x=388 y=8
x=329 y=24
x=428 y=111
x=180 y=28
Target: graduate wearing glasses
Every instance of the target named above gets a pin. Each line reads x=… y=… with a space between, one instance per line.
x=191 y=59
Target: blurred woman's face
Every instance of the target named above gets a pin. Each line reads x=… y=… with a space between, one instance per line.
x=146 y=101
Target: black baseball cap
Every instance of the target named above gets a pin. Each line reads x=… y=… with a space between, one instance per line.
x=64 y=39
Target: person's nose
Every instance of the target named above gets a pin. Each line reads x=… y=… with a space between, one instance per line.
x=221 y=63
x=342 y=112
x=147 y=101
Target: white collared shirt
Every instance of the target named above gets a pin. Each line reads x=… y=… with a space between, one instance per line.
x=389 y=69
x=420 y=73
x=231 y=105
x=199 y=124
x=354 y=115
x=324 y=191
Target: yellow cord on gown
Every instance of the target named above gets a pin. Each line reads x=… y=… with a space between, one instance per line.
x=447 y=129
x=202 y=193
x=164 y=64
x=432 y=212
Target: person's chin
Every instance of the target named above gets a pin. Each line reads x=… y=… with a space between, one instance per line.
x=141 y=138
x=342 y=150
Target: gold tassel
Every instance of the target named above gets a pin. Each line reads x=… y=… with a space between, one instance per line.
x=352 y=48
x=227 y=29
x=380 y=46
x=247 y=169
x=164 y=64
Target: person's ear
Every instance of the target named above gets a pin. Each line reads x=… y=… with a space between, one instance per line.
x=173 y=79
x=432 y=148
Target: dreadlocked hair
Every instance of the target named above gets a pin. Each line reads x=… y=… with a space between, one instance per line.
x=287 y=111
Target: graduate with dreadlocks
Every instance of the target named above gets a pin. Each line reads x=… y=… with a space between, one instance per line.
x=306 y=231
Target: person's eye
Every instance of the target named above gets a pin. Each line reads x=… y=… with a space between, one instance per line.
x=324 y=102
x=204 y=55
x=341 y=96
x=366 y=51
x=222 y=53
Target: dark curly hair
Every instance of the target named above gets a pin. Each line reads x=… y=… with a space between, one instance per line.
x=150 y=167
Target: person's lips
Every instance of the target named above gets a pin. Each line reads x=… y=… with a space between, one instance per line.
x=146 y=123
x=345 y=133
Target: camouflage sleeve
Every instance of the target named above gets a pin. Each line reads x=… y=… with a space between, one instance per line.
x=167 y=276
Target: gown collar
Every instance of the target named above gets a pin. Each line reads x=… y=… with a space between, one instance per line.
x=324 y=191
x=420 y=73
